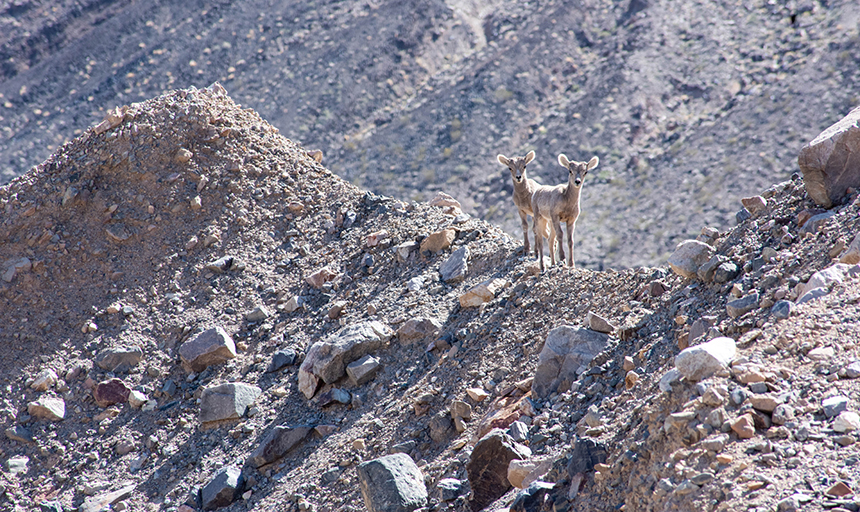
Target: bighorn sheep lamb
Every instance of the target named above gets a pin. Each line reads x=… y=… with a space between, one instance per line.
x=524 y=187
x=560 y=204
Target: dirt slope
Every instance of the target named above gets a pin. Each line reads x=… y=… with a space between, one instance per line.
x=690 y=105
x=131 y=216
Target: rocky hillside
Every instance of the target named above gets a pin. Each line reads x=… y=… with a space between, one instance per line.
x=196 y=314
x=689 y=105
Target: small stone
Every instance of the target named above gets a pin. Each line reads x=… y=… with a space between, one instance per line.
x=782 y=414
x=852 y=371
x=522 y=472
x=227 y=401
x=211 y=347
x=334 y=395
x=119 y=358
x=835 y=405
x=744 y=426
x=482 y=293
x=765 y=403
x=781 y=310
x=20 y=434
x=363 y=370
x=418 y=329
x=460 y=409
x=715 y=443
x=375 y=238
x=222 y=489
x=183 y=155
x=454 y=269
x=815 y=293
x=725 y=272
x=738 y=307
x=488 y=467
x=450 y=489
x=631 y=379
x=438 y=241
x=49 y=408
x=17 y=464
x=294 y=303
x=599 y=324
x=277 y=443
x=336 y=309
x=258 y=314
x=320 y=277
x=821 y=353
x=44 y=379
x=754 y=204
x=281 y=359
x=701 y=361
x=477 y=394
x=839 y=489
x=846 y=422
x=518 y=431
x=689 y=256
x=136 y=398
x=195 y=203
x=224 y=264
x=404 y=250
x=110 y=392
x=628 y=364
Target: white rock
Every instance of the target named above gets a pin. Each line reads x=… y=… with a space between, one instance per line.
x=701 y=361
x=136 y=398
x=846 y=422
x=44 y=380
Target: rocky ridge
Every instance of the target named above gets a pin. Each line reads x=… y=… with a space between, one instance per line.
x=170 y=275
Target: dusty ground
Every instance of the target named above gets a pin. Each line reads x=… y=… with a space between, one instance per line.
x=112 y=219
x=689 y=105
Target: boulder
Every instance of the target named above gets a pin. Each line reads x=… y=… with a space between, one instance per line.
x=532 y=498
x=488 y=467
x=834 y=405
x=210 y=347
x=280 y=359
x=564 y=355
x=689 y=256
x=846 y=422
x=326 y=360
x=522 y=472
x=743 y=305
x=831 y=162
x=826 y=278
x=227 y=401
x=363 y=370
x=119 y=358
x=392 y=483
x=701 y=361
x=222 y=489
x=482 y=293
x=277 y=443
x=454 y=269
x=110 y=392
x=585 y=454
x=599 y=324
x=417 y=329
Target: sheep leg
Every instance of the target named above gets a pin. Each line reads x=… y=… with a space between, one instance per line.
x=525 y=223
x=557 y=234
x=538 y=223
x=571 y=226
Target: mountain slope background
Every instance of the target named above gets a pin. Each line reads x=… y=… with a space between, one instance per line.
x=690 y=105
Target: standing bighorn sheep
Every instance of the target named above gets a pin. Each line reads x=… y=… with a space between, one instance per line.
x=524 y=187
x=560 y=204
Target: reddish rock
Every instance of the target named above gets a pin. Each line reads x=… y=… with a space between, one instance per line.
x=109 y=392
x=744 y=426
x=210 y=347
x=438 y=241
x=320 y=277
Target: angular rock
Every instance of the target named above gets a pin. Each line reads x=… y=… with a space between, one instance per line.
x=834 y=405
x=210 y=347
x=831 y=162
x=565 y=353
x=826 y=278
x=119 y=358
x=706 y=271
x=700 y=327
x=846 y=422
x=743 y=305
x=224 y=487
x=766 y=403
x=481 y=293
x=440 y=427
x=15 y=267
x=585 y=454
x=460 y=409
x=363 y=370
x=852 y=371
x=450 y=489
x=851 y=256
x=744 y=426
x=225 y=264
x=48 y=408
x=281 y=359
x=725 y=272
x=669 y=378
x=404 y=250
x=110 y=392
x=227 y=401
x=137 y=398
x=599 y=324
x=815 y=293
x=689 y=256
x=258 y=314
x=532 y=498
x=715 y=443
x=334 y=396
x=781 y=310
x=782 y=414
x=20 y=434
x=277 y=443
x=488 y=467
x=522 y=472
x=320 y=277
x=814 y=224
x=392 y=483
x=326 y=360
x=701 y=361
x=754 y=204
x=454 y=269
x=438 y=241
x=103 y=501
x=418 y=329
x=18 y=464
x=44 y=379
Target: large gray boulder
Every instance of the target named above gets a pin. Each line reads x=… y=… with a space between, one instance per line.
x=488 y=467
x=210 y=347
x=326 y=360
x=567 y=350
x=392 y=484
x=222 y=489
x=831 y=162
x=278 y=443
x=227 y=401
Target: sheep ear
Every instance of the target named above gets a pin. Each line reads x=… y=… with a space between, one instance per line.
x=592 y=163
x=316 y=155
x=563 y=161
x=530 y=156
x=503 y=159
